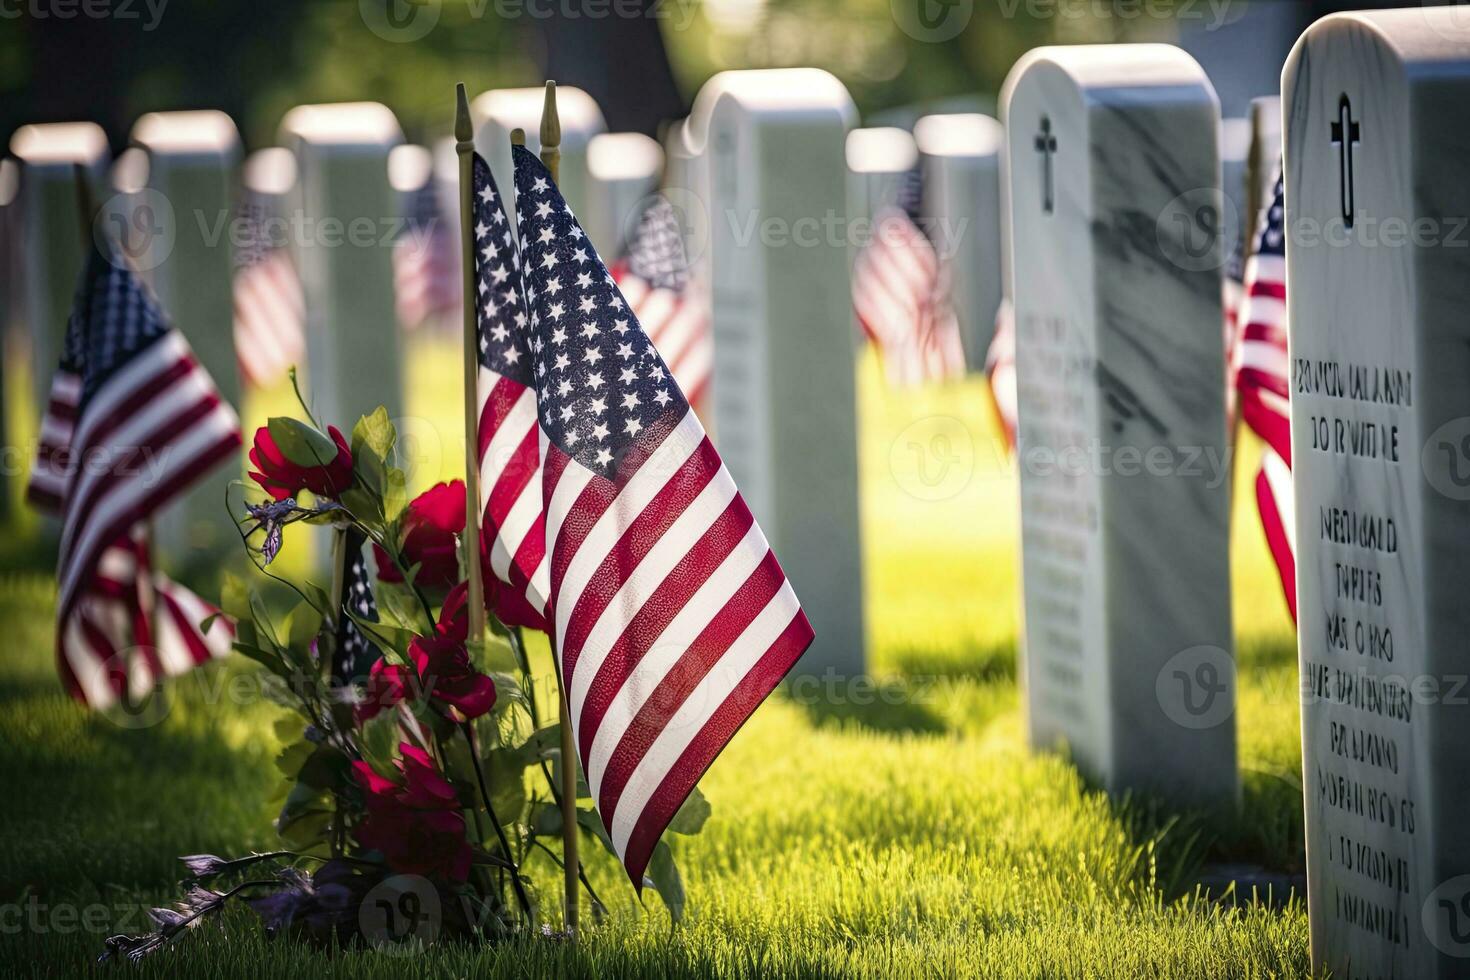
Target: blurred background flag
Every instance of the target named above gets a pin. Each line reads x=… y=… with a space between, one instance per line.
x=671 y=617
x=1260 y=368
x=901 y=292
x=270 y=309
x=1000 y=370
x=654 y=278
x=131 y=395
x=426 y=267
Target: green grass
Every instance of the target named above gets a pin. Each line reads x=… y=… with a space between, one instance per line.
x=910 y=836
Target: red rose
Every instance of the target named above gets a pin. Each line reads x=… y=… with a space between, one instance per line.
x=508 y=603
x=430 y=529
x=417 y=824
x=281 y=478
x=387 y=685
x=444 y=664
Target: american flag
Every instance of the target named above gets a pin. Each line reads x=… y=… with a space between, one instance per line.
x=654 y=279
x=426 y=269
x=1000 y=370
x=669 y=614
x=129 y=395
x=270 y=308
x=901 y=292
x=355 y=653
x=1262 y=384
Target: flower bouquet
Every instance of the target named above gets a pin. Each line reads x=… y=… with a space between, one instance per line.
x=420 y=789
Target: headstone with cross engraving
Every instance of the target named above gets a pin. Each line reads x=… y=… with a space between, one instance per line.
x=345 y=223
x=176 y=225
x=499 y=111
x=51 y=243
x=623 y=169
x=784 y=398
x=960 y=156
x=1113 y=175
x=1375 y=107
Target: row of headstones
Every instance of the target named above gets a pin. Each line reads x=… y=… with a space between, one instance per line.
x=1111 y=177
x=1113 y=181
x=341 y=184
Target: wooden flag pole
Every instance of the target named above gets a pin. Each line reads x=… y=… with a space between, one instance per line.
x=464 y=145
x=551 y=156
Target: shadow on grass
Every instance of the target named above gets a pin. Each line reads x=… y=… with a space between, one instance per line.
x=93 y=804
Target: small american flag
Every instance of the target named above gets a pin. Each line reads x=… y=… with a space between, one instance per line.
x=270 y=308
x=355 y=653
x=507 y=451
x=1262 y=383
x=901 y=293
x=1000 y=370
x=131 y=400
x=654 y=279
x=426 y=269
x=669 y=614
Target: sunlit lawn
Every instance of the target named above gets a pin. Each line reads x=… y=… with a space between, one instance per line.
x=906 y=834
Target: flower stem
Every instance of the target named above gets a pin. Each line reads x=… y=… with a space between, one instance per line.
x=515 y=872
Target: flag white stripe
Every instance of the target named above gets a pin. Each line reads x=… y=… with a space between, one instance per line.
x=636 y=589
x=635 y=495
x=663 y=656
x=706 y=698
x=134 y=376
x=205 y=433
x=1278 y=477
x=513 y=529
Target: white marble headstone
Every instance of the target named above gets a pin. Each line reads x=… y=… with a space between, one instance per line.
x=51 y=243
x=1120 y=375
x=623 y=169
x=344 y=222
x=961 y=155
x=499 y=111
x=784 y=393
x=878 y=161
x=1375 y=111
x=1264 y=160
x=188 y=163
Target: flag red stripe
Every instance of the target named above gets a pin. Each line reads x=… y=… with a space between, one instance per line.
x=712 y=739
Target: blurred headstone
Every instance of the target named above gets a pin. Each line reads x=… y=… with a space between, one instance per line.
x=623 y=169
x=1235 y=150
x=11 y=343
x=879 y=159
x=345 y=216
x=1129 y=661
x=784 y=396
x=176 y=226
x=1264 y=161
x=1376 y=107
x=498 y=111
x=960 y=155
x=51 y=240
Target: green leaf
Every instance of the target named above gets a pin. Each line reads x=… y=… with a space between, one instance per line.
x=663 y=874
x=300 y=443
x=375 y=432
x=376 y=739
x=293 y=757
x=306 y=623
x=542 y=744
x=362 y=504
x=395 y=496
x=692 y=815
x=266 y=658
